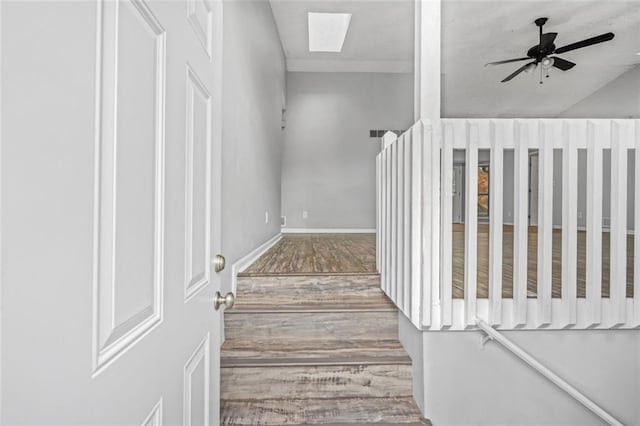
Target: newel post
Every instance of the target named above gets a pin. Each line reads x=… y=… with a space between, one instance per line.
x=427 y=60
x=427 y=109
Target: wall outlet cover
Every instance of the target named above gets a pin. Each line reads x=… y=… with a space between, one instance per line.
x=305 y=214
x=283 y=221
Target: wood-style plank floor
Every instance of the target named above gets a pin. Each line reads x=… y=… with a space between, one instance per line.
x=309 y=254
x=344 y=254
x=507 y=262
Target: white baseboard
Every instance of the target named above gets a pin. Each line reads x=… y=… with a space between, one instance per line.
x=328 y=230
x=246 y=261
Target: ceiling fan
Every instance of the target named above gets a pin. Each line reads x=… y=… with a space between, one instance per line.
x=541 y=53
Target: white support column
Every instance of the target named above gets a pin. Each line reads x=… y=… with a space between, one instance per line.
x=427 y=59
x=399 y=293
x=521 y=223
x=385 y=219
x=416 y=223
x=496 y=194
x=569 y=222
x=378 y=208
x=471 y=226
x=406 y=283
x=394 y=222
x=446 y=247
x=618 y=256
x=636 y=226
x=545 y=221
x=429 y=201
x=594 y=222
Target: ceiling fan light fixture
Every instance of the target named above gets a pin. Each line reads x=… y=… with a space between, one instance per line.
x=547 y=62
x=530 y=68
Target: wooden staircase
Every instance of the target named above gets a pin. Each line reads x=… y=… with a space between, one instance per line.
x=314 y=349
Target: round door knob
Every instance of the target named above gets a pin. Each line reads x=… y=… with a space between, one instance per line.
x=218 y=262
x=227 y=300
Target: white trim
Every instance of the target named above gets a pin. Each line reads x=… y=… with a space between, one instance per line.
x=1 y=269
x=324 y=65
x=194 y=283
x=328 y=230
x=155 y=416
x=201 y=354
x=246 y=261
x=204 y=35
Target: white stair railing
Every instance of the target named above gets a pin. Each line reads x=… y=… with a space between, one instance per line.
x=415 y=174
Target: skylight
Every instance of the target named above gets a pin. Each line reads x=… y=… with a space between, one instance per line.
x=327 y=31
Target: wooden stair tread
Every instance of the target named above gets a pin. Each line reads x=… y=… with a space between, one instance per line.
x=316 y=381
x=312 y=324
x=238 y=353
x=236 y=362
x=326 y=411
x=307 y=274
x=309 y=283
x=363 y=305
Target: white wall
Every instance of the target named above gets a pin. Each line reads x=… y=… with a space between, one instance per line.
x=328 y=164
x=253 y=99
x=618 y=99
x=495 y=387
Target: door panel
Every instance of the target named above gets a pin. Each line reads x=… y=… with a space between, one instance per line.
x=109 y=232
x=129 y=200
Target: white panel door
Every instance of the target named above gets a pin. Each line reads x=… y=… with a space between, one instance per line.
x=110 y=214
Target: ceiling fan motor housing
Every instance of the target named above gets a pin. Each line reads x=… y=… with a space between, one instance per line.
x=539 y=53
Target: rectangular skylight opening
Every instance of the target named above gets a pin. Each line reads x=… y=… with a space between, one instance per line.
x=327 y=31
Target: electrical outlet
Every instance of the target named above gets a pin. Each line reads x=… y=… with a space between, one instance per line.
x=266 y=217
x=305 y=214
x=283 y=221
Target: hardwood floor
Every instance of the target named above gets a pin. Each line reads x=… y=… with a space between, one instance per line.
x=507 y=262
x=304 y=254
x=313 y=340
x=327 y=254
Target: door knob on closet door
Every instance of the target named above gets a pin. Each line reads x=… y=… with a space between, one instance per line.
x=227 y=300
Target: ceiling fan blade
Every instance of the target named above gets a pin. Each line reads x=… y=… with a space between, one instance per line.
x=507 y=61
x=518 y=71
x=562 y=64
x=547 y=39
x=584 y=43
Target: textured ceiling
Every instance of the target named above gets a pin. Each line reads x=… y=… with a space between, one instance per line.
x=474 y=32
x=380 y=38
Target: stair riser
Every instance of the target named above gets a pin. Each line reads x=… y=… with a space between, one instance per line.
x=255 y=383
x=381 y=325
x=310 y=286
x=321 y=411
x=301 y=349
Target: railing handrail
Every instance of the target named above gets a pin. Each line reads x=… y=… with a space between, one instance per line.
x=494 y=334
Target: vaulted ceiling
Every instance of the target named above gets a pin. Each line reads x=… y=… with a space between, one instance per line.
x=474 y=32
x=380 y=37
